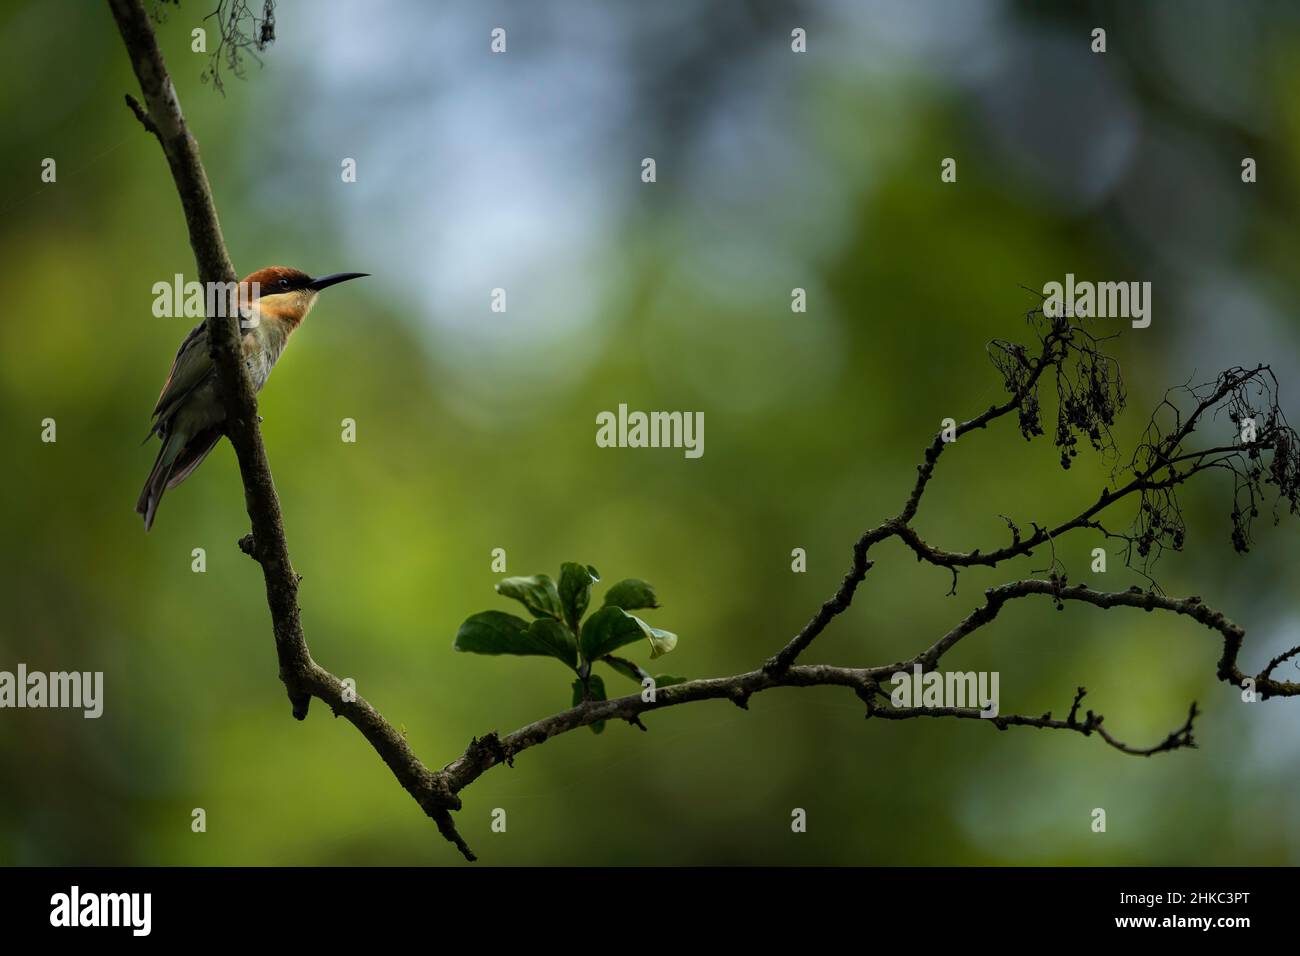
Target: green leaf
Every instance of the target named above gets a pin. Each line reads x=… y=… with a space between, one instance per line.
x=595 y=691
x=536 y=593
x=661 y=641
x=493 y=632
x=575 y=590
x=624 y=667
x=611 y=627
x=608 y=630
x=631 y=594
x=553 y=638
x=496 y=632
x=629 y=670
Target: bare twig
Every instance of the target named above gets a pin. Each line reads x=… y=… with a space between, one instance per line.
x=240 y=33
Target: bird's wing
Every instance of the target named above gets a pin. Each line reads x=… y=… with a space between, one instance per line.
x=190 y=367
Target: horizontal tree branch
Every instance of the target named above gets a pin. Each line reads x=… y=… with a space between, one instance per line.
x=1092 y=723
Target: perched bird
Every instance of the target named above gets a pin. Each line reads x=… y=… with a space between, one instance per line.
x=189 y=418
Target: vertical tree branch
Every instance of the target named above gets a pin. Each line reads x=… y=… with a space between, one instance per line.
x=166 y=121
x=302 y=677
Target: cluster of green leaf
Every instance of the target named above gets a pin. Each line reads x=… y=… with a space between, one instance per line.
x=558 y=630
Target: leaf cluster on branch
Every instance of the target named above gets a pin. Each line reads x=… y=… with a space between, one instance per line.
x=558 y=630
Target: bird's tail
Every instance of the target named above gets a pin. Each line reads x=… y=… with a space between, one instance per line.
x=156 y=483
x=176 y=461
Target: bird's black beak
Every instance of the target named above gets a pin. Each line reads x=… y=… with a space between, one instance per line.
x=324 y=282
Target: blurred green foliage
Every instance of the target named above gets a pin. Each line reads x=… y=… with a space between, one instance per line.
x=470 y=441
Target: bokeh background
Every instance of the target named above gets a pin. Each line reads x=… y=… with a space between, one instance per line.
x=476 y=429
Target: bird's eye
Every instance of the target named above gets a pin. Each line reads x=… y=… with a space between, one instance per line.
x=284 y=283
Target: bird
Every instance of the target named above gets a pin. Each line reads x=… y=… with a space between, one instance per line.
x=189 y=418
